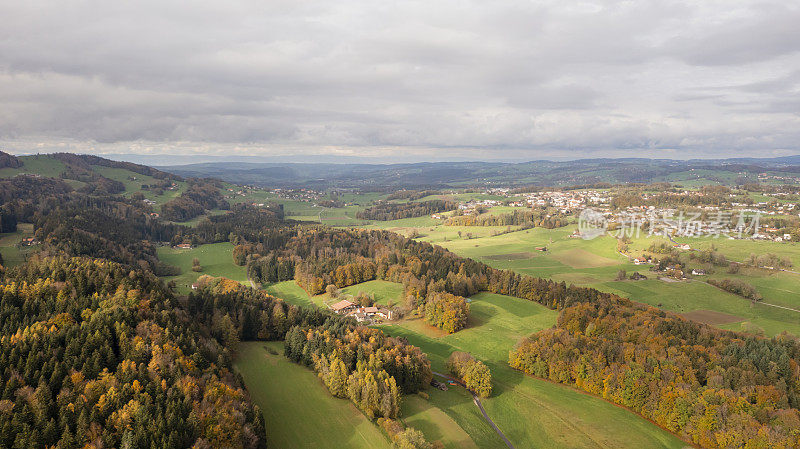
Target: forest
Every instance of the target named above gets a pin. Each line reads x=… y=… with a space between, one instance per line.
x=384 y=211
x=96 y=353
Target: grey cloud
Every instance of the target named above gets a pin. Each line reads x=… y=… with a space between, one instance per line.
x=431 y=78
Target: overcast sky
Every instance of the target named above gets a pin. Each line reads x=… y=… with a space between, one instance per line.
x=419 y=80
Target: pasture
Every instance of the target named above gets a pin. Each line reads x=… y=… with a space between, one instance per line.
x=36 y=164
x=595 y=263
x=298 y=409
x=533 y=413
x=382 y=291
x=13 y=254
x=432 y=421
x=216 y=260
x=290 y=292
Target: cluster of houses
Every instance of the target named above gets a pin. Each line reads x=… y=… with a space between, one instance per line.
x=29 y=241
x=471 y=205
x=566 y=202
x=361 y=314
x=774 y=235
x=765 y=177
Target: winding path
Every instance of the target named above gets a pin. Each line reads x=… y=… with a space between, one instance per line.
x=476 y=400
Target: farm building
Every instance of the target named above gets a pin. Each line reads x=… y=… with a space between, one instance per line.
x=342 y=307
x=368 y=313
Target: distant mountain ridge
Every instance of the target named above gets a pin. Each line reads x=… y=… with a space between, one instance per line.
x=472 y=174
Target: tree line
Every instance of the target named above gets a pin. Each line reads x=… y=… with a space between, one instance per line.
x=524 y=218
x=385 y=211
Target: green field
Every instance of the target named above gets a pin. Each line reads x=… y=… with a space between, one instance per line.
x=216 y=260
x=595 y=263
x=533 y=413
x=298 y=409
x=290 y=292
x=12 y=254
x=382 y=291
x=36 y=164
x=432 y=421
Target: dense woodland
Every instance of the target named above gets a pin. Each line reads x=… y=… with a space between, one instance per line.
x=361 y=364
x=384 y=211
x=95 y=354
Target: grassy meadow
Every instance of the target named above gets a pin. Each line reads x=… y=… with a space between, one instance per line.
x=533 y=413
x=216 y=259
x=382 y=291
x=13 y=254
x=290 y=292
x=42 y=165
x=595 y=263
x=298 y=410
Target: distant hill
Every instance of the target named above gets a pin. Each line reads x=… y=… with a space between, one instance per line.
x=97 y=175
x=481 y=174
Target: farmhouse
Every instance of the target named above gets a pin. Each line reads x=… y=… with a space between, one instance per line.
x=30 y=241
x=342 y=307
x=368 y=313
x=639 y=261
x=184 y=246
x=698 y=272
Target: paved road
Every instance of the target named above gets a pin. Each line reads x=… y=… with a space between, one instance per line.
x=476 y=400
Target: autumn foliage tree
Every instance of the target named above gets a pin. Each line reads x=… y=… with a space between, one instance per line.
x=474 y=373
x=447 y=311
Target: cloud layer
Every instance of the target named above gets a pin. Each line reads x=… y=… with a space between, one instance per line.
x=436 y=80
